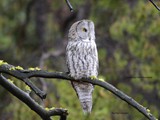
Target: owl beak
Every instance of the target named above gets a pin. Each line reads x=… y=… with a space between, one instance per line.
x=89 y=36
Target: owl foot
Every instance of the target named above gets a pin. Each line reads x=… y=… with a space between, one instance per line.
x=93 y=77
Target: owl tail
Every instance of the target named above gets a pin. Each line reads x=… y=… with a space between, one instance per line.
x=84 y=93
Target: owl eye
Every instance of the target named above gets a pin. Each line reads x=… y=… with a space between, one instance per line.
x=84 y=29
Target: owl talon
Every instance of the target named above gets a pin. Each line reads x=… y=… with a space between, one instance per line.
x=69 y=74
x=93 y=77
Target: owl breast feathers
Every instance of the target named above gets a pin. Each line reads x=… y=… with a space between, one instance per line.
x=82 y=59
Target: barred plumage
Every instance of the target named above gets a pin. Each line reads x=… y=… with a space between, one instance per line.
x=82 y=59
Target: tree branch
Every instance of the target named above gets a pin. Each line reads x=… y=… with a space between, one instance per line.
x=24 y=97
x=23 y=74
x=155 y=5
x=11 y=70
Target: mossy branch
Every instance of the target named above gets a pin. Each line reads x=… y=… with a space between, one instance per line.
x=26 y=74
x=24 y=97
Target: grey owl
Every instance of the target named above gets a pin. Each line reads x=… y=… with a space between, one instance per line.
x=82 y=60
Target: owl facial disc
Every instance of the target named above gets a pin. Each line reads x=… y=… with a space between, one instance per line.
x=85 y=31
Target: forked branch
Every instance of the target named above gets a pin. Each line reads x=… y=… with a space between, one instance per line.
x=26 y=74
x=24 y=97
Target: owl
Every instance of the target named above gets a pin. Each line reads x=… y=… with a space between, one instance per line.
x=82 y=60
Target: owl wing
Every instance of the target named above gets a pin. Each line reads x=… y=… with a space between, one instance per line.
x=67 y=58
x=69 y=55
x=97 y=61
x=95 y=55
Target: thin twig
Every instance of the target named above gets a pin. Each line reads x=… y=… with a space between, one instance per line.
x=155 y=5
x=38 y=92
x=59 y=75
x=69 y=5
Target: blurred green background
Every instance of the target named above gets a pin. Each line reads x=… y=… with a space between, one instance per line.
x=34 y=33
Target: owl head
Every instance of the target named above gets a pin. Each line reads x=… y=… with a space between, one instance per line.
x=82 y=31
